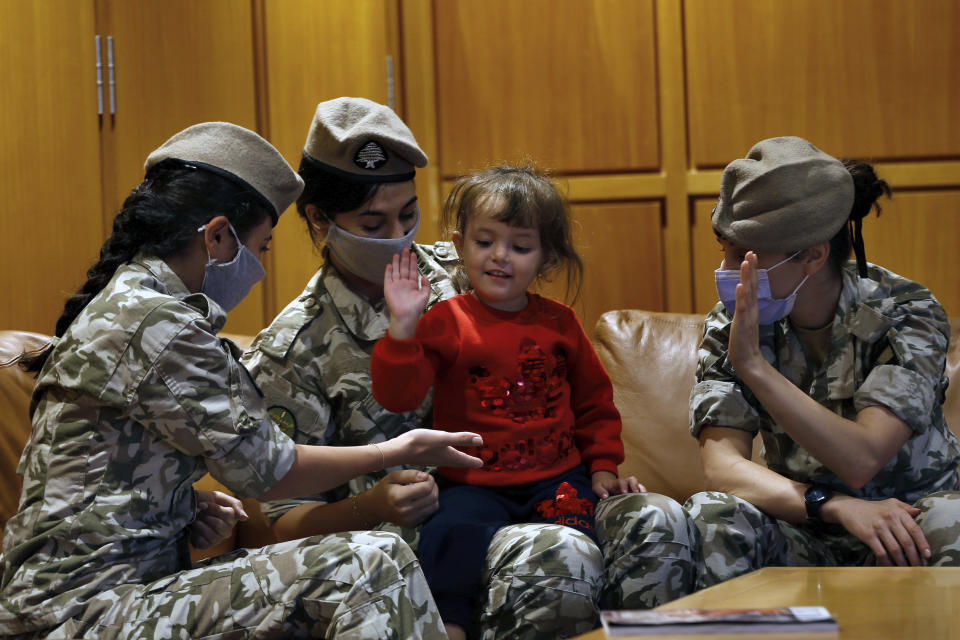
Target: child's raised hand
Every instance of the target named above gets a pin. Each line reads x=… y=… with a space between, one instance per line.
x=606 y=484
x=406 y=293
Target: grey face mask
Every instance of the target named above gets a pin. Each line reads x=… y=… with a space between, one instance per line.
x=227 y=283
x=367 y=258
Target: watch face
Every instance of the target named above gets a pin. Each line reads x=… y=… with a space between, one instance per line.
x=816 y=494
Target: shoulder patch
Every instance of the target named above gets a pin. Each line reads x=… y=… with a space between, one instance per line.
x=284 y=419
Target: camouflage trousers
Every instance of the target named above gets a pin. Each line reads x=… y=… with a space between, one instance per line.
x=357 y=585
x=549 y=581
x=737 y=537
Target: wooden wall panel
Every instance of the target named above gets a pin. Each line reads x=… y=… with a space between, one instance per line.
x=916 y=236
x=706 y=255
x=571 y=84
x=51 y=222
x=317 y=51
x=621 y=246
x=859 y=78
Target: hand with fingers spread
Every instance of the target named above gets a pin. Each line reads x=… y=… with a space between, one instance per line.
x=431 y=448
x=886 y=526
x=405 y=497
x=406 y=293
x=217 y=515
x=744 y=350
x=606 y=484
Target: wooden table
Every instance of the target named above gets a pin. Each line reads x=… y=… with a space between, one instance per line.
x=869 y=603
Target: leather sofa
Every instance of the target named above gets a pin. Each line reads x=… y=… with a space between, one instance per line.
x=650 y=357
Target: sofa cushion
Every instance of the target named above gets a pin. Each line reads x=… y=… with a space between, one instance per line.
x=16 y=386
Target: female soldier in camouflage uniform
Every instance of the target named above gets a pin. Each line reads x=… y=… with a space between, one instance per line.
x=313 y=365
x=138 y=398
x=840 y=367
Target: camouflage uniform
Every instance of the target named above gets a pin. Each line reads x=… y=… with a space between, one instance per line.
x=137 y=401
x=313 y=365
x=887 y=347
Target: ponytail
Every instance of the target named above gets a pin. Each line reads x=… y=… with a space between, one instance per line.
x=159 y=217
x=868 y=189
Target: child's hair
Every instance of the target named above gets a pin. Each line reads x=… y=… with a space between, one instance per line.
x=530 y=200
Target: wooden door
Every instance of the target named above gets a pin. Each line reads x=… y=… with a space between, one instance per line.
x=51 y=225
x=566 y=83
x=177 y=63
x=621 y=246
x=570 y=86
x=316 y=50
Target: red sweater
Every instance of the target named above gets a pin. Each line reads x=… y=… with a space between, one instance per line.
x=528 y=381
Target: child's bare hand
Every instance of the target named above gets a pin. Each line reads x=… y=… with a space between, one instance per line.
x=606 y=484
x=406 y=293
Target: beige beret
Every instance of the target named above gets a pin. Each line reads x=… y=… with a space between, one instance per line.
x=362 y=141
x=784 y=196
x=239 y=155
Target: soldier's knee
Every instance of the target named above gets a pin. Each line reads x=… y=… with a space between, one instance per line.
x=640 y=513
x=390 y=545
x=940 y=521
x=544 y=549
x=712 y=505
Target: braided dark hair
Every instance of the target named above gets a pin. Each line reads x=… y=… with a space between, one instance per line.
x=330 y=193
x=868 y=189
x=159 y=217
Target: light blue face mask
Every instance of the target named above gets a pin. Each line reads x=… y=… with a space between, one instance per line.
x=769 y=309
x=227 y=283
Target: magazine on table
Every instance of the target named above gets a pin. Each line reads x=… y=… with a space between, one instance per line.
x=706 y=621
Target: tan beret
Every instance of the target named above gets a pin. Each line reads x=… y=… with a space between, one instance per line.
x=239 y=155
x=362 y=141
x=784 y=196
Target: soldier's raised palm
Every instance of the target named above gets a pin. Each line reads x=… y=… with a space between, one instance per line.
x=406 y=293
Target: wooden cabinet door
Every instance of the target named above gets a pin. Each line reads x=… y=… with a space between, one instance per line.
x=317 y=50
x=569 y=83
x=621 y=245
x=177 y=63
x=51 y=225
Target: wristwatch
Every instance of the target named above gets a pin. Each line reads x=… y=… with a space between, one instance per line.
x=815 y=497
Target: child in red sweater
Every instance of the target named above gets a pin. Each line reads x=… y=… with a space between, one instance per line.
x=508 y=364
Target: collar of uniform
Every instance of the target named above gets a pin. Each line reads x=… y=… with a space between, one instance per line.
x=163 y=273
x=441 y=281
x=364 y=319
x=171 y=284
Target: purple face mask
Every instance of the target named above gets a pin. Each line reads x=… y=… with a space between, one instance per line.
x=769 y=309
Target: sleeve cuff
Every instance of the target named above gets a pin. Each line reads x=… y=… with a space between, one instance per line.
x=906 y=393
x=603 y=465
x=720 y=403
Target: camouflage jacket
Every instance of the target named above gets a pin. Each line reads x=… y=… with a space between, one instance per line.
x=137 y=401
x=887 y=347
x=313 y=364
